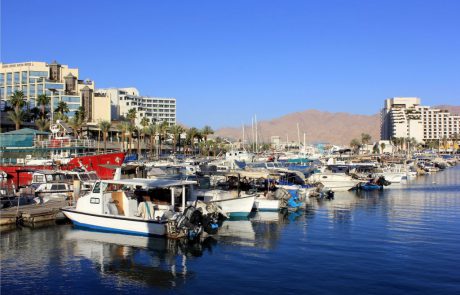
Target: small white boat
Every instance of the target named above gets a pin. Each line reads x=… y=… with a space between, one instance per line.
x=335 y=181
x=229 y=201
x=114 y=208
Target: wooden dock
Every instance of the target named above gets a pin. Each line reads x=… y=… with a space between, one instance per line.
x=30 y=214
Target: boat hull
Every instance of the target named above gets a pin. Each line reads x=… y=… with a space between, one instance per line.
x=263 y=204
x=237 y=207
x=112 y=223
x=90 y=163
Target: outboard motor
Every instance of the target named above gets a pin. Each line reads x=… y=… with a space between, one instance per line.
x=382 y=181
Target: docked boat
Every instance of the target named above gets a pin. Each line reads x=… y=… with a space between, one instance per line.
x=115 y=206
x=334 y=181
x=232 y=203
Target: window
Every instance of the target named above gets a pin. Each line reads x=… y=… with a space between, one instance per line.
x=16 y=77
x=2 y=78
x=8 y=78
x=54 y=86
x=24 y=77
x=39 y=74
x=94 y=200
x=39 y=178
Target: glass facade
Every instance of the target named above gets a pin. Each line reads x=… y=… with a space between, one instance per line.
x=39 y=74
x=54 y=86
x=71 y=99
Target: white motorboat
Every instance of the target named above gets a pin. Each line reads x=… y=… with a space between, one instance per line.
x=232 y=203
x=335 y=181
x=113 y=206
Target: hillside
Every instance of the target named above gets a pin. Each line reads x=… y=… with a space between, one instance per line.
x=337 y=128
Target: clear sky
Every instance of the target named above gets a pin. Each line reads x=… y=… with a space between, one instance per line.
x=227 y=60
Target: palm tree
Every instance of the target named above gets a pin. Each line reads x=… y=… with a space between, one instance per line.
x=123 y=128
x=207 y=130
x=80 y=113
x=131 y=130
x=162 y=130
x=17 y=100
x=365 y=138
x=355 y=144
x=191 y=136
x=176 y=131
x=17 y=116
x=131 y=116
x=76 y=123
x=42 y=124
x=43 y=100
x=61 y=109
x=104 y=127
x=144 y=123
x=151 y=132
x=382 y=147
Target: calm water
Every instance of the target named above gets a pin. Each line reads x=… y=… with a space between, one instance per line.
x=405 y=240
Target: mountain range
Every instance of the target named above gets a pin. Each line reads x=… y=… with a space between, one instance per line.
x=318 y=126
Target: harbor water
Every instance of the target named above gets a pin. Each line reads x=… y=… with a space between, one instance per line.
x=403 y=240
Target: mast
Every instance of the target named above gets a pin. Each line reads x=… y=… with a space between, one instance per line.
x=257 y=146
x=243 y=137
x=298 y=134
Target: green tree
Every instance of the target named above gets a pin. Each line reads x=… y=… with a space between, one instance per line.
x=61 y=110
x=132 y=115
x=17 y=101
x=382 y=147
x=43 y=101
x=162 y=130
x=131 y=130
x=104 y=127
x=206 y=131
x=191 y=135
x=76 y=123
x=365 y=138
x=355 y=144
x=176 y=131
x=123 y=128
x=42 y=124
x=17 y=116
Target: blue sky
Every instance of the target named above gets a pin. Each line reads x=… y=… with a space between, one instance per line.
x=225 y=61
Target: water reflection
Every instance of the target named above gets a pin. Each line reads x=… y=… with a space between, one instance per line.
x=156 y=262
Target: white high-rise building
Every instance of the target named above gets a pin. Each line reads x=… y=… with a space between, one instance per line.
x=156 y=109
x=405 y=117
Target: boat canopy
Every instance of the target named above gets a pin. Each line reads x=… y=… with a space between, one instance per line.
x=151 y=183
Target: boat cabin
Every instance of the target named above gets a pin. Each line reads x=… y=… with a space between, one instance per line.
x=122 y=197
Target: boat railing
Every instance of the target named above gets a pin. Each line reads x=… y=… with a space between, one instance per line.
x=66 y=143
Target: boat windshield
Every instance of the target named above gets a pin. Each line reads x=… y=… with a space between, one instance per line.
x=84 y=177
x=93 y=176
x=55 y=177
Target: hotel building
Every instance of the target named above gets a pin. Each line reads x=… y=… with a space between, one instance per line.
x=57 y=81
x=156 y=109
x=405 y=117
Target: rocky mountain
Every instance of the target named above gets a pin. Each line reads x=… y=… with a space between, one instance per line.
x=339 y=128
x=319 y=126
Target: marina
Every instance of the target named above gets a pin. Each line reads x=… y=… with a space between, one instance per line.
x=375 y=242
x=230 y=147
